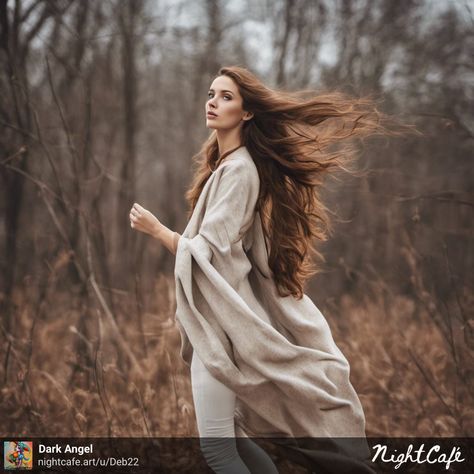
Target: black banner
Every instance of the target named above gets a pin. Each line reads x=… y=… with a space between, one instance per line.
x=290 y=455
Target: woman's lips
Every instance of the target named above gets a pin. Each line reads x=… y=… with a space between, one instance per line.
x=211 y=116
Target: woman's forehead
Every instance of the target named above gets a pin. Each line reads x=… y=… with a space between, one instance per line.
x=224 y=83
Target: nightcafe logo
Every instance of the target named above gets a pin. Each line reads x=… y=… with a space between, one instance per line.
x=17 y=455
x=419 y=456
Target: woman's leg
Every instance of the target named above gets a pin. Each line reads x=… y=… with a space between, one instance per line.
x=255 y=458
x=214 y=405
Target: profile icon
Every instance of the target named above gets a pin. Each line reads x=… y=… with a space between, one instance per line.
x=17 y=455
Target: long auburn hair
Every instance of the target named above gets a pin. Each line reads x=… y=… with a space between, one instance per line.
x=289 y=138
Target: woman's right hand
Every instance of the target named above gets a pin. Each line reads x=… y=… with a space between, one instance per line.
x=144 y=221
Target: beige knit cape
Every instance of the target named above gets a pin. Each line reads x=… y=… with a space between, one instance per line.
x=276 y=353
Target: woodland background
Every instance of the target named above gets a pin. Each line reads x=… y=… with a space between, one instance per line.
x=102 y=105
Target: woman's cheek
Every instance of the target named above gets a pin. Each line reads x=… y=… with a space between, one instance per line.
x=233 y=114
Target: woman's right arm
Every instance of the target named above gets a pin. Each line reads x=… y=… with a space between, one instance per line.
x=167 y=237
x=143 y=220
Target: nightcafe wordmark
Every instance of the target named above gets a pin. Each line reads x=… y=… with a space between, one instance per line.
x=431 y=457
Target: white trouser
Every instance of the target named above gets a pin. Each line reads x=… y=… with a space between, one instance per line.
x=214 y=404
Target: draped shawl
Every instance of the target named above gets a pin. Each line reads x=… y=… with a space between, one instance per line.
x=276 y=353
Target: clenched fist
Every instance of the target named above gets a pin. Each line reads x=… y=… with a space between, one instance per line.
x=144 y=221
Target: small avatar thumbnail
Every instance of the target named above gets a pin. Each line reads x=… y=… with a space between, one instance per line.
x=17 y=455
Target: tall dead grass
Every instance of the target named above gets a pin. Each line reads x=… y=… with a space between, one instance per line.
x=411 y=379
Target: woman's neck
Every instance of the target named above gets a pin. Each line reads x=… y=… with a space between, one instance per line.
x=228 y=140
x=224 y=156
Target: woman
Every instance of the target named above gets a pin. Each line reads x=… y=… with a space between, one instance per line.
x=262 y=357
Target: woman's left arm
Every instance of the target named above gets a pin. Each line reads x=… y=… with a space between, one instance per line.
x=144 y=221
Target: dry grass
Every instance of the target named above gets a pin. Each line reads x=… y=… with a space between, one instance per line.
x=408 y=378
x=402 y=367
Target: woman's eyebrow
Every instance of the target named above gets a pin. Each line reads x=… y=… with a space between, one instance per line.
x=223 y=90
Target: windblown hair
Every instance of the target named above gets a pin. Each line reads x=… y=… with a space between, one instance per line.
x=289 y=138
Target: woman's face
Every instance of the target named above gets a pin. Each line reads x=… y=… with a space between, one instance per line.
x=225 y=102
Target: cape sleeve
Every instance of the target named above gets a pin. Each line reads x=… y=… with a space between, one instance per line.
x=209 y=265
x=229 y=209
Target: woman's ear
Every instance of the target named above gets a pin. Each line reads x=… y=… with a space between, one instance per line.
x=247 y=116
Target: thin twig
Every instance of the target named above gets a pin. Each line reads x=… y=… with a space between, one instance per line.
x=108 y=313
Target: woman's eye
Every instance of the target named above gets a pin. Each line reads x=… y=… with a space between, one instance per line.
x=209 y=94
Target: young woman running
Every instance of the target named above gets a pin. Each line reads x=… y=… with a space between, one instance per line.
x=262 y=357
